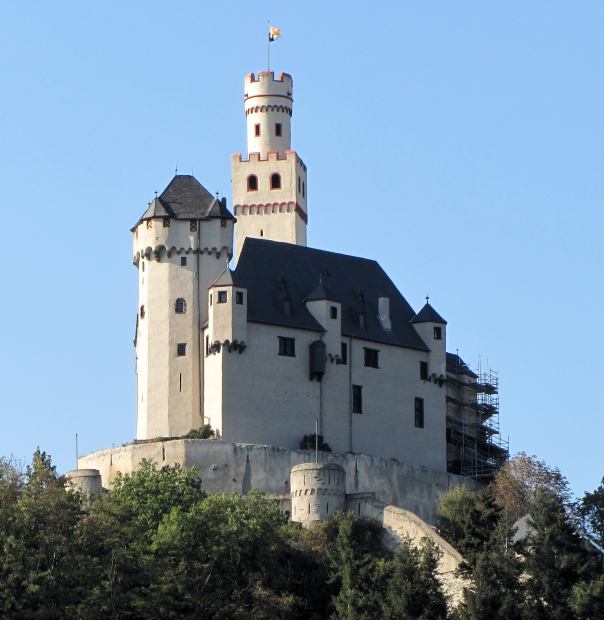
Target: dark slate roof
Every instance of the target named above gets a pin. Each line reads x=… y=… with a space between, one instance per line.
x=273 y=271
x=228 y=278
x=186 y=198
x=321 y=292
x=428 y=315
x=456 y=366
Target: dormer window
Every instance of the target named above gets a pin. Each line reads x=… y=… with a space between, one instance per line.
x=252 y=183
x=275 y=181
x=287 y=307
x=362 y=321
x=438 y=333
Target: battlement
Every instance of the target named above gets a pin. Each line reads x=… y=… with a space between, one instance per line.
x=270 y=156
x=265 y=85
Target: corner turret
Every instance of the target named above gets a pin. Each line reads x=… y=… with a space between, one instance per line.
x=432 y=329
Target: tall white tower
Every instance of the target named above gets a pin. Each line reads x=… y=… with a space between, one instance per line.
x=181 y=245
x=269 y=187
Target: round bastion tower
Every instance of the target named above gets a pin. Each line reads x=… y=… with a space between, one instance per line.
x=317 y=491
x=269 y=187
x=181 y=245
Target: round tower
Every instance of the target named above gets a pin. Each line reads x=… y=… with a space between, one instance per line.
x=268 y=110
x=87 y=481
x=317 y=491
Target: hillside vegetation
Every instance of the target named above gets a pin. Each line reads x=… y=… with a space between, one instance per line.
x=157 y=546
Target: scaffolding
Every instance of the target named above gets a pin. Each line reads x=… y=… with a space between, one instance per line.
x=475 y=447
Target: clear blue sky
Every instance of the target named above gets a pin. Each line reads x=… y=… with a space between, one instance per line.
x=460 y=144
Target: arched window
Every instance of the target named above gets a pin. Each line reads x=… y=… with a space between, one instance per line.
x=180 y=307
x=276 y=181
x=252 y=183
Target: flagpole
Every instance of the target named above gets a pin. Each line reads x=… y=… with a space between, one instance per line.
x=268 y=47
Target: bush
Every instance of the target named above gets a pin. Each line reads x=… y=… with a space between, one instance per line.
x=309 y=442
x=205 y=432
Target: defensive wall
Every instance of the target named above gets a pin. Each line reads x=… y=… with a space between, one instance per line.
x=224 y=466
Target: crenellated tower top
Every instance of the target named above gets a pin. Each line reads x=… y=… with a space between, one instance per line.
x=268 y=110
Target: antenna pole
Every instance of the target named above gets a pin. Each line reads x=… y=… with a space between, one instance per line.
x=268 y=47
x=77 y=458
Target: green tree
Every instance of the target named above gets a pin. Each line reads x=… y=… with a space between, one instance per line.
x=591 y=509
x=413 y=591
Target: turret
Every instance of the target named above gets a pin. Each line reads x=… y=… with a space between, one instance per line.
x=269 y=187
x=181 y=245
x=268 y=110
x=432 y=329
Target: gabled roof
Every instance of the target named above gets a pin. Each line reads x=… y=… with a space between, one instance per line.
x=186 y=198
x=456 y=366
x=264 y=265
x=428 y=315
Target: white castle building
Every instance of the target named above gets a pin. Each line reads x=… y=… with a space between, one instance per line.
x=292 y=335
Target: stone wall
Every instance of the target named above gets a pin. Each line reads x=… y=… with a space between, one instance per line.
x=225 y=466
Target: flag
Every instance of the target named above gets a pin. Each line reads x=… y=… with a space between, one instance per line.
x=273 y=34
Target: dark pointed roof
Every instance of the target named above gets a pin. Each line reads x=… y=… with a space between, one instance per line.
x=228 y=278
x=428 y=315
x=320 y=293
x=186 y=198
x=456 y=366
x=263 y=265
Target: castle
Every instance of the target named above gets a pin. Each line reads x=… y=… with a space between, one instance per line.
x=290 y=338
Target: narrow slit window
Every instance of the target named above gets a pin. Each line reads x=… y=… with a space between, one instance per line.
x=344 y=354
x=419 y=413
x=278 y=129
x=357 y=399
x=257 y=129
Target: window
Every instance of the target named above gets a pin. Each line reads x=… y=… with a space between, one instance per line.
x=222 y=297
x=183 y=261
x=333 y=312
x=143 y=265
x=438 y=333
x=181 y=349
x=252 y=183
x=275 y=181
x=344 y=354
x=166 y=222
x=277 y=129
x=357 y=399
x=257 y=129
x=362 y=321
x=193 y=226
x=287 y=307
x=210 y=299
x=239 y=298
x=419 y=413
x=423 y=371
x=287 y=347
x=302 y=189
x=371 y=358
x=180 y=306
x=142 y=312
x=299 y=185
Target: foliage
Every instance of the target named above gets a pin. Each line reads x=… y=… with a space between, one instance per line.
x=591 y=509
x=205 y=432
x=521 y=478
x=309 y=442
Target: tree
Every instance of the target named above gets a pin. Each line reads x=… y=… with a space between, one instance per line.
x=413 y=591
x=521 y=478
x=591 y=509
x=309 y=442
x=205 y=432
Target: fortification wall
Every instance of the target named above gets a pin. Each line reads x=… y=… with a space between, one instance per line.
x=224 y=466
